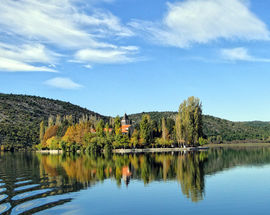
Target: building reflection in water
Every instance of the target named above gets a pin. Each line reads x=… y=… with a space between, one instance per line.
x=32 y=182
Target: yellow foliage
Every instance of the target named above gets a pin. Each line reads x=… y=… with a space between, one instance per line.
x=53 y=143
x=76 y=133
x=50 y=132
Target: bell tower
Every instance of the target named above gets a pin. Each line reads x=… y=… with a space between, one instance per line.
x=125 y=120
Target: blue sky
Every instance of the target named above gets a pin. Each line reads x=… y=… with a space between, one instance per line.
x=117 y=56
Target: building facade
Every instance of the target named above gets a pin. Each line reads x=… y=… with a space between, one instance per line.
x=126 y=125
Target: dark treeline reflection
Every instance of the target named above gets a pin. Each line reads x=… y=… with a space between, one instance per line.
x=34 y=182
x=87 y=170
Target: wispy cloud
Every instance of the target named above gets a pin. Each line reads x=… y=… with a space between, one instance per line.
x=65 y=26
x=240 y=54
x=62 y=83
x=202 y=21
x=18 y=58
x=87 y=66
x=58 y=22
x=120 y=55
x=103 y=24
x=9 y=65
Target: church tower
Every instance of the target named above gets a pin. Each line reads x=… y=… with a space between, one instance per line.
x=125 y=120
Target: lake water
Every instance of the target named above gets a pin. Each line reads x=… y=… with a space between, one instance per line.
x=218 y=181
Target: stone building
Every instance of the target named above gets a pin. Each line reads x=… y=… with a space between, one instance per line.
x=126 y=125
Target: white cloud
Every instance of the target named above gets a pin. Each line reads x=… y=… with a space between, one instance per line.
x=59 y=22
x=28 y=53
x=88 y=66
x=17 y=58
x=9 y=65
x=240 y=54
x=62 y=83
x=107 y=22
x=67 y=26
x=119 y=55
x=202 y=21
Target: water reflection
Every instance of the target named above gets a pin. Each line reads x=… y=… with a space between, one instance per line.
x=33 y=182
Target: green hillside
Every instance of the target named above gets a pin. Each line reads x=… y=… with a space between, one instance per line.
x=21 y=115
x=214 y=127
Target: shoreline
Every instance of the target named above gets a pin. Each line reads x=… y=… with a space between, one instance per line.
x=164 y=150
x=49 y=151
x=158 y=150
x=125 y=151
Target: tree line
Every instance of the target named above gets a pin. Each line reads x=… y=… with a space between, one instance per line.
x=94 y=135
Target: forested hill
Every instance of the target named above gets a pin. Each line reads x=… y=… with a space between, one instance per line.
x=215 y=127
x=21 y=115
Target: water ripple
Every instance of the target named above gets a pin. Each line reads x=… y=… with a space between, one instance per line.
x=3 y=196
x=18 y=179
x=4 y=207
x=30 y=194
x=3 y=190
x=38 y=203
x=26 y=187
x=22 y=182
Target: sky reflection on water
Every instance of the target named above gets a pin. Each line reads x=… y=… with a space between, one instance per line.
x=219 y=181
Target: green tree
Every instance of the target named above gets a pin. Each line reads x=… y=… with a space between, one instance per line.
x=189 y=121
x=202 y=141
x=135 y=139
x=219 y=139
x=117 y=125
x=100 y=128
x=107 y=129
x=63 y=145
x=41 y=131
x=145 y=130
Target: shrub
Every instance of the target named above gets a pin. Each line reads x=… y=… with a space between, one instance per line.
x=202 y=141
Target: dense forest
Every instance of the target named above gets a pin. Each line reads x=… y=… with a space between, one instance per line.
x=217 y=129
x=93 y=136
x=21 y=115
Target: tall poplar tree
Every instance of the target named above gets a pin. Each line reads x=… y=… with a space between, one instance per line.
x=41 y=130
x=189 y=121
x=58 y=120
x=50 y=121
x=165 y=132
x=100 y=128
x=107 y=128
x=145 y=130
x=117 y=125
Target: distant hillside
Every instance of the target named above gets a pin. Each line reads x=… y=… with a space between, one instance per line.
x=20 y=116
x=213 y=127
x=153 y=115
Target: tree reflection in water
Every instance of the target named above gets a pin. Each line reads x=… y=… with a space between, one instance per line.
x=32 y=182
x=185 y=168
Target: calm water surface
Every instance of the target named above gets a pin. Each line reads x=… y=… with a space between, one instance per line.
x=219 y=181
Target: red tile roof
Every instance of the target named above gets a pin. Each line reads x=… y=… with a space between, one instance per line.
x=125 y=128
x=126 y=172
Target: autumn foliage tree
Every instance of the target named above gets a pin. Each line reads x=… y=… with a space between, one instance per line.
x=165 y=133
x=50 y=132
x=76 y=133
